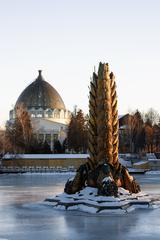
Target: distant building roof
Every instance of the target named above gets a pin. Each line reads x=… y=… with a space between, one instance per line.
x=40 y=94
x=123 y=119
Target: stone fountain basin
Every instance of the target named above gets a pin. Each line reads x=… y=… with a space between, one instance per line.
x=87 y=200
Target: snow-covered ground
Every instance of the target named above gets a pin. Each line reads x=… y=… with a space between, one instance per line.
x=45 y=156
x=23 y=214
x=153 y=172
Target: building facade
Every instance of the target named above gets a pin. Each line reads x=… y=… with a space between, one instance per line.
x=47 y=110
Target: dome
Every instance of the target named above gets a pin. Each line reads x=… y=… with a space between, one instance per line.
x=40 y=94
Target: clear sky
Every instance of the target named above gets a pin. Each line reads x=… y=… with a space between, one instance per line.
x=67 y=38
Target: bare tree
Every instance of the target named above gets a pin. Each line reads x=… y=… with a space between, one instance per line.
x=133 y=131
x=2 y=142
x=25 y=121
x=19 y=132
x=152 y=116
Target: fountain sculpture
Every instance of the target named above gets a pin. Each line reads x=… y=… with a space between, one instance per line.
x=103 y=170
x=102 y=185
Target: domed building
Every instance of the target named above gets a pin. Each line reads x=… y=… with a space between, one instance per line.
x=48 y=113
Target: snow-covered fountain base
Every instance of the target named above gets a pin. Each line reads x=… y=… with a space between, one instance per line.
x=87 y=200
x=101 y=177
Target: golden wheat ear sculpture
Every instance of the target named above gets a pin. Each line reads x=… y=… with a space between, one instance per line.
x=103 y=118
x=103 y=141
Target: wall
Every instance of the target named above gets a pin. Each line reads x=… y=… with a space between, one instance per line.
x=75 y=162
x=154 y=164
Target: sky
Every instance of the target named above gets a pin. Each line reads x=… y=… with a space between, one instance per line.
x=68 y=38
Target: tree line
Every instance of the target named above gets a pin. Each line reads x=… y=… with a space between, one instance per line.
x=138 y=133
x=19 y=136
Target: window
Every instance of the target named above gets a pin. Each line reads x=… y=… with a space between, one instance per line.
x=48 y=138
x=41 y=137
x=49 y=113
x=40 y=114
x=56 y=114
x=55 y=137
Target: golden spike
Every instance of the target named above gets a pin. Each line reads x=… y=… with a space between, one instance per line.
x=93 y=123
x=115 y=121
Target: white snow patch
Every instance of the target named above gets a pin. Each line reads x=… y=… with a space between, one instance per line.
x=44 y=156
x=140 y=206
x=88 y=201
x=130 y=209
x=60 y=207
x=124 y=162
x=140 y=163
x=106 y=179
x=73 y=208
x=112 y=211
x=87 y=209
x=153 y=172
x=123 y=191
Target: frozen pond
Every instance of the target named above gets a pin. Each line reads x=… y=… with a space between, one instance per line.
x=23 y=215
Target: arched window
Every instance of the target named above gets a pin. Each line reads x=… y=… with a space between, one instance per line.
x=56 y=114
x=40 y=113
x=49 y=113
x=62 y=114
x=33 y=115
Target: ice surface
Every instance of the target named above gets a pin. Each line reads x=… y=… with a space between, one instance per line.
x=24 y=215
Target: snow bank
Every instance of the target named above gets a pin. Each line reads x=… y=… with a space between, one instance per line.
x=124 y=162
x=153 y=172
x=140 y=163
x=45 y=156
x=88 y=201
